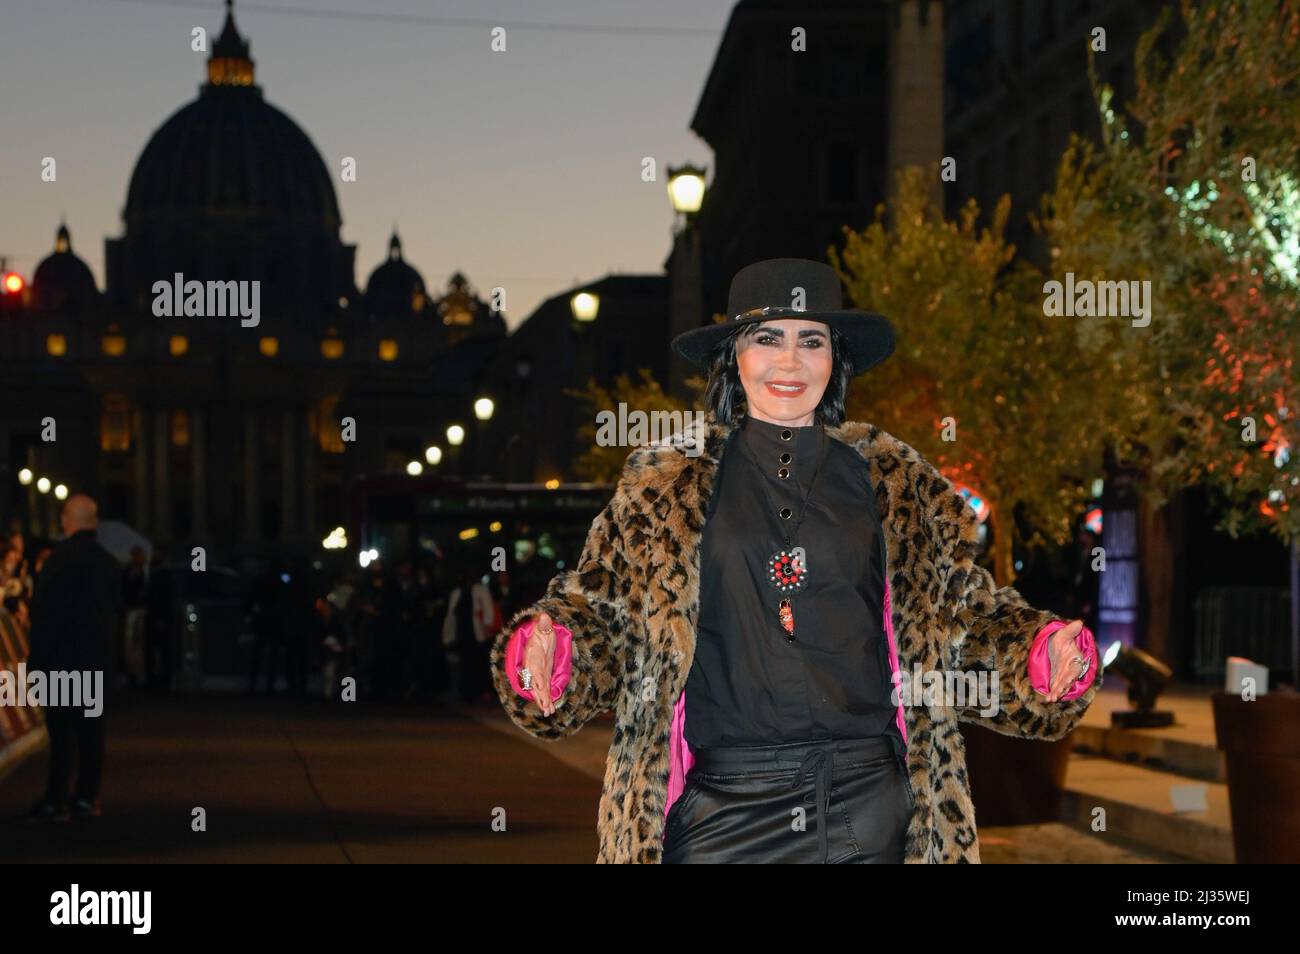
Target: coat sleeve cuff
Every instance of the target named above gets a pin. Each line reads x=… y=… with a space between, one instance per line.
x=1040 y=663
x=561 y=668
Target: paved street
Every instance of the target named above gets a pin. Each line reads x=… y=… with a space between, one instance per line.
x=310 y=781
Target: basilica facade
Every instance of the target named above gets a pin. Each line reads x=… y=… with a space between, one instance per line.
x=204 y=428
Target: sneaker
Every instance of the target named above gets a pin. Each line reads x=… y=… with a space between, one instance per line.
x=46 y=811
x=83 y=808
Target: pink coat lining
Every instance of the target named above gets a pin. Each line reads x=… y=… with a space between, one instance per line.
x=680 y=758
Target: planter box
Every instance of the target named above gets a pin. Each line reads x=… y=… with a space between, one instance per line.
x=1015 y=781
x=1261 y=745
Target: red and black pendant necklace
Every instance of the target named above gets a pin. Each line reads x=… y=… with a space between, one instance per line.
x=787 y=570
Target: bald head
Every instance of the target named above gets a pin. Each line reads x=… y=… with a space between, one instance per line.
x=79 y=513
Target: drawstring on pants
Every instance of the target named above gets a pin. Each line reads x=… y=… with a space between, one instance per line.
x=822 y=763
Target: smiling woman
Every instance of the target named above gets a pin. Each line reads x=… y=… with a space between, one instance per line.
x=735 y=609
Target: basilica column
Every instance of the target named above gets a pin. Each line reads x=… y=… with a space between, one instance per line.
x=252 y=505
x=289 y=526
x=161 y=483
x=143 y=519
x=310 y=509
x=198 y=475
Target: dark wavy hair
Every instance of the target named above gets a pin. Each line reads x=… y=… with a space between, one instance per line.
x=725 y=394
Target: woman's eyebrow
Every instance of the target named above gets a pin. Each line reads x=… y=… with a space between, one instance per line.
x=804 y=333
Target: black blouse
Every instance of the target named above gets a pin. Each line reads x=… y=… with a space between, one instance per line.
x=748 y=684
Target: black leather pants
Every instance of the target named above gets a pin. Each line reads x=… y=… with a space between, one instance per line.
x=841 y=801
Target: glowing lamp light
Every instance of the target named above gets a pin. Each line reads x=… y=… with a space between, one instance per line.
x=469 y=533
x=415 y=468
x=13 y=283
x=585 y=305
x=433 y=454
x=455 y=435
x=336 y=540
x=61 y=491
x=25 y=476
x=483 y=408
x=686 y=188
x=552 y=484
x=43 y=485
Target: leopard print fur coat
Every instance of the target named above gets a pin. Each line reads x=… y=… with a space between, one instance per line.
x=632 y=602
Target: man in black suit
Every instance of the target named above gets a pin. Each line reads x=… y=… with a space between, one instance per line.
x=75 y=613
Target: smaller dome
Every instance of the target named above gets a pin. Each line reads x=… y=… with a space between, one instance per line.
x=395 y=288
x=62 y=280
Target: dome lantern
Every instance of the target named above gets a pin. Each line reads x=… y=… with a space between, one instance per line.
x=230 y=63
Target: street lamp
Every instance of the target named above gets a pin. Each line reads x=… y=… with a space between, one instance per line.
x=585 y=305
x=483 y=408
x=433 y=454
x=43 y=485
x=25 y=476
x=686 y=188
x=687 y=278
x=61 y=491
x=455 y=435
x=415 y=468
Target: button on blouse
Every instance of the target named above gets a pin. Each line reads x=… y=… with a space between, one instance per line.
x=749 y=684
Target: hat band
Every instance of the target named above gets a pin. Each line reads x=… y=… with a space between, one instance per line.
x=764 y=310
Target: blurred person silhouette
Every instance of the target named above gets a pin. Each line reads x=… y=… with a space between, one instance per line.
x=135 y=601
x=466 y=625
x=265 y=610
x=160 y=623
x=299 y=611
x=75 y=613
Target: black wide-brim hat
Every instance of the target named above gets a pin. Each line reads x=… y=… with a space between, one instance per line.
x=771 y=288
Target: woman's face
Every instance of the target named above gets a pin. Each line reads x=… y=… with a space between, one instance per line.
x=785 y=351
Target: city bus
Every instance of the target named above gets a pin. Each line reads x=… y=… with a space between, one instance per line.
x=447 y=523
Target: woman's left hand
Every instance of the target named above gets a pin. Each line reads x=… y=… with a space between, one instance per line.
x=1062 y=651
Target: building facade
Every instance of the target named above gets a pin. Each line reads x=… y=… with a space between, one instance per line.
x=203 y=428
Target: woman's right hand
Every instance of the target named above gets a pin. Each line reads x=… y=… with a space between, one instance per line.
x=539 y=657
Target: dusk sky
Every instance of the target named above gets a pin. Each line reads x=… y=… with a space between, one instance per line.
x=521 y=169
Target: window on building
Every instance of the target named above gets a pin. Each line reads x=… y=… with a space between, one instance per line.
x=323 y=419
x=844 y=76
x=1016 y=11
x=805 y=74
x=178 y=345
x=180 y=428
x=841 y=172
x=115 y=423
x=387 y=350
x=56 y=346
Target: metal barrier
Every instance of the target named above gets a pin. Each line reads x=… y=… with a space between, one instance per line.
x=1250 y=621
x=17 y=723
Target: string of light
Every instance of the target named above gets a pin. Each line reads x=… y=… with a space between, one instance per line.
x=425 y=19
